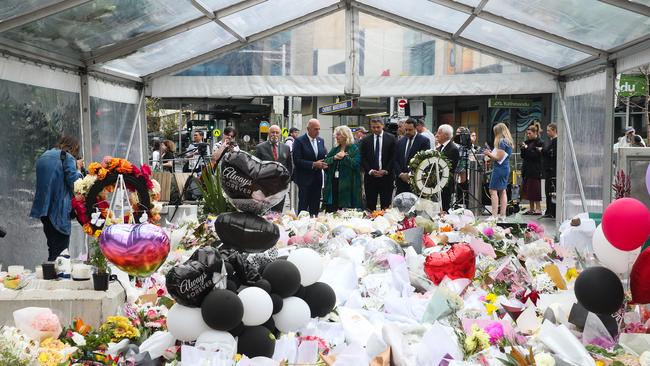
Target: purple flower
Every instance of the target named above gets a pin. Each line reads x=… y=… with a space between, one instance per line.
x=495 y=331
x=602 y=342
x=488 y=231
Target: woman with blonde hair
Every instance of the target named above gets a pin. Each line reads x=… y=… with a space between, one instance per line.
x=500 y=157
x=343 y=175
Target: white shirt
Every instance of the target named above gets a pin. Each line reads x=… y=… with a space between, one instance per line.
x=431 y=137
x=155 y=160
x=381 y=145
x=314 y=146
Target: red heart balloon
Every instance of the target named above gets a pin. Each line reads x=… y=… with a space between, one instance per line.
x=640 y=278
x=457 y=262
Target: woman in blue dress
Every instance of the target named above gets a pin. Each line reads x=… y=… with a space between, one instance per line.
x=500 y=157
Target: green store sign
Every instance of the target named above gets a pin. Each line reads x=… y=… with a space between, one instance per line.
x=632 y=86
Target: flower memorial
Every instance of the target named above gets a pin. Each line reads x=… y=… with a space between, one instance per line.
x=91 y=203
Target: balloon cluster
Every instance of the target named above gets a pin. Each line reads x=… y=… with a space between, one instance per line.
x=214 y=307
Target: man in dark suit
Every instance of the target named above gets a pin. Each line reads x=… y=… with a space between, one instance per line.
x=449 y=149
x=377 y=162
x=549 y=153
x=273 y=150
x=407 y=147
x=308 y=157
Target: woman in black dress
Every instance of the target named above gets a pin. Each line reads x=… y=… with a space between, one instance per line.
x=531 y=169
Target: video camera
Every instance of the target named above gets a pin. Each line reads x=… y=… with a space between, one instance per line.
x=202 y=148
x=463 y=139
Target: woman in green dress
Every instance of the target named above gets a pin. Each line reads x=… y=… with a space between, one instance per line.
x=343 y=175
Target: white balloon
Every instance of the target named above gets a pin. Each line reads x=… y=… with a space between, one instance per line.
x=217 y=340
x=258 y=306
x=617 y=260
x=294 y=315
x=185 y=323
x=309 y=264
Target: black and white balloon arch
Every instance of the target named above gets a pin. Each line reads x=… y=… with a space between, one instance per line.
x=430 y=173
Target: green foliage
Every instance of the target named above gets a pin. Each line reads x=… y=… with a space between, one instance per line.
x=213 y=202
x=169 y=126
x=97 y=258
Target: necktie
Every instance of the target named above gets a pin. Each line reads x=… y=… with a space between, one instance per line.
x=314 y=145
x=275 y=152
x=377 y=153
x=408 y=147
x=440 y=147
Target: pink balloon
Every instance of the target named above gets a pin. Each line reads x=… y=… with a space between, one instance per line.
x=626 y=223
x=136 y=249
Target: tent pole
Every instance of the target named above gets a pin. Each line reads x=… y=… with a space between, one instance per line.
x=135 y=123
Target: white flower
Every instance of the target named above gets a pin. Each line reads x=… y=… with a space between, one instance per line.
x=82 y=186
x=156 y=187
x=544 y=359
x=543 y=283
x=78 y=339
x=644 y=360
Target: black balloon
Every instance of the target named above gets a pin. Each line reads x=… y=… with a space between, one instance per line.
x=253 y=185
x=222 y=310
x=231 y=286
x=321 y=299
x=246 y=232
x=300 y=292
x=264 y=285
x=278 y=303
x=255 y=342
x=599 y=290
x=239 y=329
x=241 y=269
x=283 y=276
x=209 y=257
x=189 y=283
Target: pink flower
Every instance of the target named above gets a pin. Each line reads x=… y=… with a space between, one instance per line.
x=535 y=227
x=495 y=331
x=488 y=231
x=47 y=322
x=151 y=313
x=146 y=170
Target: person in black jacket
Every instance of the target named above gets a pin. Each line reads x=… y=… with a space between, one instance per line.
x=531 y=169
x=550 y=171
x=377 y=160
x=449 y=149
x=407 y=147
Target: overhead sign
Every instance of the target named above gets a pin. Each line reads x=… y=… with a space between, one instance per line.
x=401 y=107
x=285 y=132
x=264 y=126
x=509 y=103
x=336 y=107
x=632 y=86
x=216 y=132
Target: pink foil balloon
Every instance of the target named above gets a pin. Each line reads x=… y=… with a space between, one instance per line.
x=136 y=249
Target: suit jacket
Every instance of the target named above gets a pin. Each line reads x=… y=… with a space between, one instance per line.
x=420 y=143
x=303 y=158
x=264 y=151
x=452 y=153
x=550 y=159
x=388 y=146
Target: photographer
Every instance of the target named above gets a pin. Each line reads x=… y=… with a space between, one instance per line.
x=196 y=149
x=56 y=171
x=465 y=149
x=228 y=142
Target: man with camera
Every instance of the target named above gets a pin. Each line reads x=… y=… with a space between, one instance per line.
x=197 y=149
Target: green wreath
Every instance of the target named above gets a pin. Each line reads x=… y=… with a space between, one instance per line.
x=430 y=173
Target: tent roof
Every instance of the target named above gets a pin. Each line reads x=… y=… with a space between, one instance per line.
x=118 y=37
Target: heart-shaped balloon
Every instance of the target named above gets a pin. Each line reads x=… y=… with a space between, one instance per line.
x=136 y=249
x=189 y=283
x=457 y=262
x=253 y=185
x=640 y=278
x=246 y=232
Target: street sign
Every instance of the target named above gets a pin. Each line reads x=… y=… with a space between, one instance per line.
x=285 y=132
x=509 y=103
x=264 y=127
x=331 y=108
x=247 y=138
x=216 y=132
x=632 y=85
x=401 y=107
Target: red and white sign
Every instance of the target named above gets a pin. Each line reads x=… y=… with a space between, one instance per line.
x=401 y=107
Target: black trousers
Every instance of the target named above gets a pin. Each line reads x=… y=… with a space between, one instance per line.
x=57 y=242
x=549 y=187
x=446 y=197
x=335 y=197
x=378 y=188
x=309 y=197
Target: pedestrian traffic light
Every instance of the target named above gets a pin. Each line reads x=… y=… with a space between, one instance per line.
x=189 y=126
x=211 y=125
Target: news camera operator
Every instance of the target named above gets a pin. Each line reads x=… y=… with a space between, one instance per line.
x=228 y=143
x=464 y=139
x=198 y=148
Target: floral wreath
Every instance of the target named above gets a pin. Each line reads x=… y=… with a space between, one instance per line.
x=424 y=181
x=90 y=202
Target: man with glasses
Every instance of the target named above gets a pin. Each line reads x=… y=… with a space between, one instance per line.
x=274 y=150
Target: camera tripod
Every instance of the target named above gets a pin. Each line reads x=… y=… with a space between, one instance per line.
x=200 y=161
x=464 y=196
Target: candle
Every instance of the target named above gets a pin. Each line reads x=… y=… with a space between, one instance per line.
x=15 y=270
x=80 y=271
x=39 y=272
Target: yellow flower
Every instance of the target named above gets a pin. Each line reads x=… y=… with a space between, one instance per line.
x=50 y=357
x=93 y=168
x=238 y=357
x=491 y=298
x=477 y=341
x=102 y=173
x=600 y=363
x=97 y=233
x=571 y=273
x=490 y=308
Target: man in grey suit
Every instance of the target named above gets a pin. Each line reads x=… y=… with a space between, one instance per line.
x=273 y=150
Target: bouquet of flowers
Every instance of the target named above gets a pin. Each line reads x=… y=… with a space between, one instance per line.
x=147 y=318
x=16 y=348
